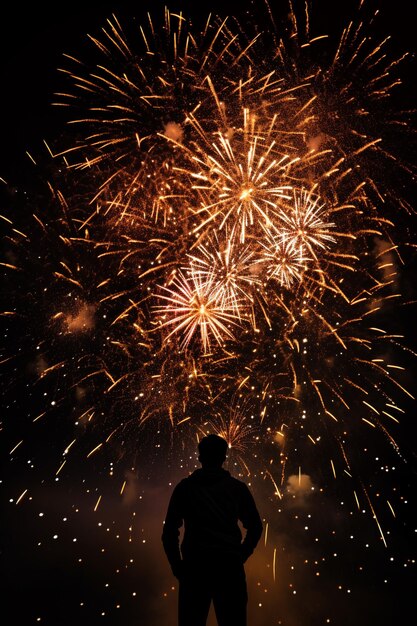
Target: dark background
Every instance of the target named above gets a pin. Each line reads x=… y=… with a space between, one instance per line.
x=66 y=563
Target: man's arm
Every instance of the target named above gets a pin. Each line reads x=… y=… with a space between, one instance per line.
x=171 y=532
x=251 y=521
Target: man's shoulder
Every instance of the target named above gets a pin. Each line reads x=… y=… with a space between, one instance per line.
x=240 y=484
x=236 y=485
x=198 y=477
x=185 y=482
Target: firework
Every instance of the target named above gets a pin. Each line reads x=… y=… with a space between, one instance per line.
x=224 y=227
x=195 y=304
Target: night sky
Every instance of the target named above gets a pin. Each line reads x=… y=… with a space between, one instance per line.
x=80 y=542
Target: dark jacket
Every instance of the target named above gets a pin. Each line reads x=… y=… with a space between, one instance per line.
x=210 y=503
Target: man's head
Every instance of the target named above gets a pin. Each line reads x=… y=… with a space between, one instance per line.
x=212 y=451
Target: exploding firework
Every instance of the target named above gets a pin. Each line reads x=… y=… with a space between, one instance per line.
x=222 y=233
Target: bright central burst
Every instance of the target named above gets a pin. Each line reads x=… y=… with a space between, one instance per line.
x=196 y=304
x=241 y=177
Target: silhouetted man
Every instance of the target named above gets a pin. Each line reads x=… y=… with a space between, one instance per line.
x=209 y=564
